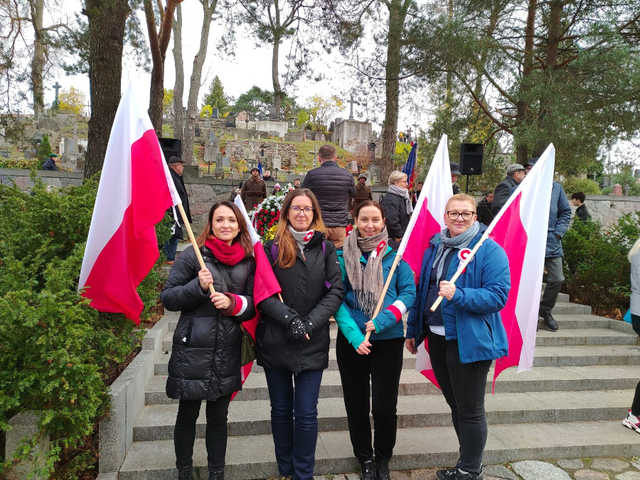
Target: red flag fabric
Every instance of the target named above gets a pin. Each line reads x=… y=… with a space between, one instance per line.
x=134 y=192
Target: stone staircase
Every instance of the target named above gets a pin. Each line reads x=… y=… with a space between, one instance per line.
x=569 y=405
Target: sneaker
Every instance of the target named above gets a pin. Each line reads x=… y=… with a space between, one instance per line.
x=632 y=422
x=549 y=323
x=447 y=474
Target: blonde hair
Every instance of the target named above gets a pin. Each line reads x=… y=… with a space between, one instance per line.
x=461 y=197
x=395 y=176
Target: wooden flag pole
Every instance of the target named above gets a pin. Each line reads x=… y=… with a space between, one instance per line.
x=462 y=266
x=185 y=222
x=384 y=292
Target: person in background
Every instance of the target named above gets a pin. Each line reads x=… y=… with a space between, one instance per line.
x=254 y=190
x=176 y=168
x=416 y=193
x=205 y=357
x=293 y=336
x=515 y=175
x=371 y=369
x=577 y=200
x=267 y=176
x=465 y=333
x=50 y=162
x=397 y=207
x=333 y=187
x=296 y=183
x=485 y=214
x=362 y=192
x=632 y=420
x=455 y=173
x=276 y=189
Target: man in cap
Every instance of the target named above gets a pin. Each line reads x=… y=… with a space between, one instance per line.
x=363 y=192
x=515 y=174
x=253 y=190
x=176 y=167
x=50 y=163
x=559 y=219
x=455 y=173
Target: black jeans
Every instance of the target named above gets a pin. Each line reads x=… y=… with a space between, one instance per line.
x=383 y=365
x=463 y=386
x=184 y=432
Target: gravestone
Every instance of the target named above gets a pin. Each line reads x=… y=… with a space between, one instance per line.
x=211 y=149
x=374 y=174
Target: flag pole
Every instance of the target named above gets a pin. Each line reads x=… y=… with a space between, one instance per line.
x=185 y=222
x=384 y=292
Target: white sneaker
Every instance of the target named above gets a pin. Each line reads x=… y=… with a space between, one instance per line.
x=632 y=422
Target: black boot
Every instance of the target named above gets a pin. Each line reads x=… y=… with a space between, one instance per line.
x=216 y=475
x=469 y=476
x=368 y=470
x=185 y=473
x=382 y=469
x=549 y=323
x=447 y=474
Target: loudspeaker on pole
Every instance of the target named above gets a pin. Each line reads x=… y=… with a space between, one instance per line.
x=471 y=158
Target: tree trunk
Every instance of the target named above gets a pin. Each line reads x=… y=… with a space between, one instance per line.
x=278 y=94
x=397 y=14
x=106 y=37
x=527 y=68
x=178 y=88
x=38 y=59
x=194 y=86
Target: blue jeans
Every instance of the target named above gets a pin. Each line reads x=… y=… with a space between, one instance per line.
x=171 y=247
x=294 y=420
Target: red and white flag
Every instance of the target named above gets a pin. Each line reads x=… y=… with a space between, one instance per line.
x=265 y=283
x=426 y=220
x=521 y=229
x=134 y=192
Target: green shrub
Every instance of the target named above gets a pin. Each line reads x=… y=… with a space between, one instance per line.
x=44 y=149
x=596 y=260
x=56 y=353
x=585 y=185
x=26 y=164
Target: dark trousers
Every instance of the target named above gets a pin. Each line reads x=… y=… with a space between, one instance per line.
x=184 y=432
x=635 y=406
x=382 y=367
x=171 y=247
x=294 y=420
x=554 y=277
x=463 y=386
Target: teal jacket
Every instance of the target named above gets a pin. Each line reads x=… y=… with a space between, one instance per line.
x=400 y=297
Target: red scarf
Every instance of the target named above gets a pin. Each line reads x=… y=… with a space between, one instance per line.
x=225 y=253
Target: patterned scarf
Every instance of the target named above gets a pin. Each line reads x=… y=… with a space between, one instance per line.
x=301 y=238
x=404 y=193
x=447 y=243
x=367 y=283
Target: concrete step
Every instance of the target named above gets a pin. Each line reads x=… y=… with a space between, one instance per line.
x=563 y=355
x=252 y=457
x=156 y=422
x=540 y=379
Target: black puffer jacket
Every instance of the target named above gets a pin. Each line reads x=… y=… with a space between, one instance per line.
x=395 y=214
x=311 y=289
x=334 y=188
x=205 y=360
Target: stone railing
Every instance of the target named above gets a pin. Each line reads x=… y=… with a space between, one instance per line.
x=22 y=178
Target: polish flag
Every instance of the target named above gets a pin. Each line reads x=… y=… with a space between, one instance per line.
x=520 y=227
x=426 y=220
x=265 y=283
x=134 y=192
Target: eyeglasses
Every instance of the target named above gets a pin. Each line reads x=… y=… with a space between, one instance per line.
x=305 y=210
x=465 y=215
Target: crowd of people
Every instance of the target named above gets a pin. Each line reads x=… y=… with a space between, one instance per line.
x=333 y=252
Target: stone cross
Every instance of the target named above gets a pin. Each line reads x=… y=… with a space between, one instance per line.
x=57 y=87
x=351 y=101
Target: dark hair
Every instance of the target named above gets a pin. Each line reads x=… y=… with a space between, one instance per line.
x=327 y=152
x=243 y=233
x=287 y=248
x=254 y=168
x=367 y=203
x=578 y=196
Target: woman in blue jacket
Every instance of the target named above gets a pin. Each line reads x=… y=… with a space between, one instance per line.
x=465 y=332
x=371 y=368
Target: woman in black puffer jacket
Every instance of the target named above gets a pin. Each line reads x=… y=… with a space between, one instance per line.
x=205 y=359
x=293 y=337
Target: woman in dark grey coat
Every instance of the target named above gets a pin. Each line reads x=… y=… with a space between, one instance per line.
x=293 y=336
x=396 y=206
x=205 y=358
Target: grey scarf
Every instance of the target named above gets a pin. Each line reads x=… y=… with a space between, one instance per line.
x=404 y=193
x=301 y=238
x=447 y=243
x=367 y=285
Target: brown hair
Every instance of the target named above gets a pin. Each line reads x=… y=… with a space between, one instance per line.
x=327 y=152
x=367 y=203
x=243 y=234
x=462 y=197
x=287 y=248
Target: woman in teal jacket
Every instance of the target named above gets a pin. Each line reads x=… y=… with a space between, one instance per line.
x=371 y=368
x=465 y=333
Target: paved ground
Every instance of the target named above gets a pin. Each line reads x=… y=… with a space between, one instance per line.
x=619 y=468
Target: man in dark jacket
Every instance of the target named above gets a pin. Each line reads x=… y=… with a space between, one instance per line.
x=485 y=215
x=50 y=163
x=333 y=186
x=515 y=174
x=577 y=200
x=253 y=190
x=176 y=168
x=559 y=218
x=455 y=173
x=362 y=192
